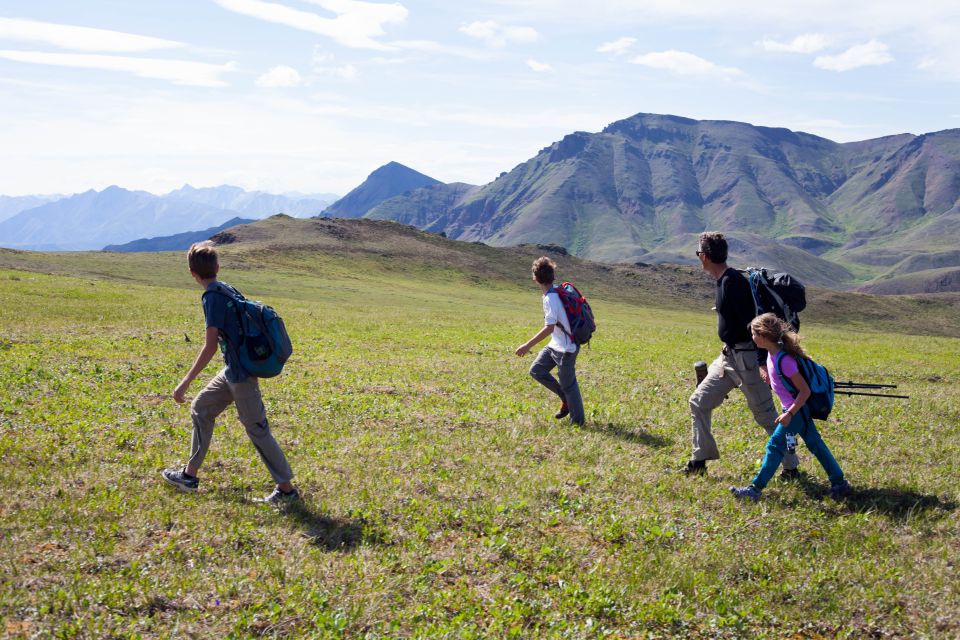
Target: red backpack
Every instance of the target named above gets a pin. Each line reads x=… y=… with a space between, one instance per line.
x=579 y=313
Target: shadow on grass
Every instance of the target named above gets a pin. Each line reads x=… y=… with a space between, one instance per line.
x=635 y=435
x=322 y=530
x=328 y=532
x=896 y=504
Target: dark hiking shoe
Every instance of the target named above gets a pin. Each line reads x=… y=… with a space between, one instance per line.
x=841 y=490
x=694 y=468
x=745 y=493
x=180 y=479
x=279 y=497
x=564 y=411
x=790 y=475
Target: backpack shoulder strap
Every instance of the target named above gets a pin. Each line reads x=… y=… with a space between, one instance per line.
x=778 y=365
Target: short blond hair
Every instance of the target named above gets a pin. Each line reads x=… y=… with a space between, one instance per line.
x=203 y=259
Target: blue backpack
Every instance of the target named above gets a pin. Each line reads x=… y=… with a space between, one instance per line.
x=819 y=380
x=264 y=343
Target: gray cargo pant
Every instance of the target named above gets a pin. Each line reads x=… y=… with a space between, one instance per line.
x=566 y=387
x=214 y=399
x=735 y=368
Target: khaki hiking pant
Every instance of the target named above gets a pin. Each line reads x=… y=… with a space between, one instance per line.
x=736 y=368
x=214 y=399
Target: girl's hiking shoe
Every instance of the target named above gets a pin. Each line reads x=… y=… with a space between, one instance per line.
x=279 y=497
x=564 y=411
x=745 y=493
x=840 y=490
x=180 y=479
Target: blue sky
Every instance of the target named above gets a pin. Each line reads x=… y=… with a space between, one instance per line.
x=313 y=95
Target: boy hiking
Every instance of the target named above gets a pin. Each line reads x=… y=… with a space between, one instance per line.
x=561 y=352
x=738 y=365
x=775 y=335
x=231 y=385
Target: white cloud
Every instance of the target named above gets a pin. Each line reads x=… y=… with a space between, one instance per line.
x=539 y=67
x=617 y=47
x=176 y=71
x=356 y=24
x=430 y=46
x=494 y=34
x=684 y=64
x=806 y=43
x=323 y=64
x=280 y=76
x=80 y=38
x=861 y=55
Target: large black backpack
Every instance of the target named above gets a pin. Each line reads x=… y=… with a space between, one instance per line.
x=781 y=294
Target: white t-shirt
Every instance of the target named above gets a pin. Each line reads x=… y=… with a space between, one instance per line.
x=554 y=313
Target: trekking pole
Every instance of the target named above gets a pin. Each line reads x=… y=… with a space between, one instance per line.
x=861 y=393
x=842 y=388
x=862 y=385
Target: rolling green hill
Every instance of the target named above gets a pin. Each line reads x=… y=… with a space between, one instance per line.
x=442 y=500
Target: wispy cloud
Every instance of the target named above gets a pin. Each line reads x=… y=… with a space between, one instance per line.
x=76 y=38
x=493 y=34
x=433 y=47
x=356 y=25
x=617 y=47
x=806 y=43
x=862 y=55
x=324 y=64
x=539 y=67
x=176 y=71
x=685 y=64
x=280 y=76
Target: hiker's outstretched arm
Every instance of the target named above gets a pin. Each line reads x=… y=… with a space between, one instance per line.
x=203 y=359
x=523 y=349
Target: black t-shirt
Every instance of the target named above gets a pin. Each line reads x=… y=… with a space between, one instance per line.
x=735 y=307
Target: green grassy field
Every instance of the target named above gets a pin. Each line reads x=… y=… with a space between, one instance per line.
x=441 y=498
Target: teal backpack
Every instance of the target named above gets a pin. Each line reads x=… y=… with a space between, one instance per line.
x=264 y=343
x=819 y=380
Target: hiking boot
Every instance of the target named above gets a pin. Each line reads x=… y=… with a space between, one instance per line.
x=180 y=479
x=841 y=490
x=745 y=493
x=564 y=411
x=279 y=497
x=790 y=475
x=694 y=468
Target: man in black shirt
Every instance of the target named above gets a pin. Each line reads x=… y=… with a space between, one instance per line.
x=740 y=364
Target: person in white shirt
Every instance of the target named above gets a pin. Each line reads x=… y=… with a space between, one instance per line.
x=561 y=352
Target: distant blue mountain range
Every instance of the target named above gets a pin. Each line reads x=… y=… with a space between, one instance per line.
x=176 y=242
x=114 y=216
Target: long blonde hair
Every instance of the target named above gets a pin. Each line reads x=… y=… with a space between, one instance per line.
x=773 y=328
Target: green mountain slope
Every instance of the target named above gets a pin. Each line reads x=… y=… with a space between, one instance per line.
x=642 y=189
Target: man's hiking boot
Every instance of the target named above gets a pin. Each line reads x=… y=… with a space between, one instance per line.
x=694 y=468
x=841 y=490
x=180 y=479
x=564 y=411
x=790 y=475
x=279 y=497
x=745 y=493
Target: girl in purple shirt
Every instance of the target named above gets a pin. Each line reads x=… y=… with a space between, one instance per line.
x=773 y=334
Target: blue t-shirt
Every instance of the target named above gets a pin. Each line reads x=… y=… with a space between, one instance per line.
x=220 y=311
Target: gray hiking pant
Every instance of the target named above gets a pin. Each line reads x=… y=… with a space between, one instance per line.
x=735 y=369
x=214 y=399
x=566 y=387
